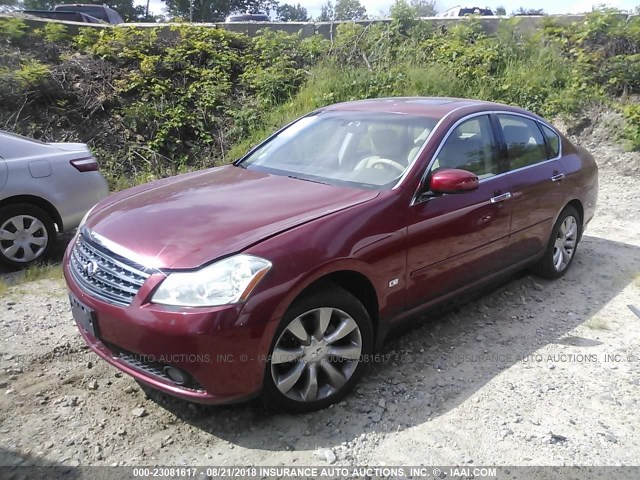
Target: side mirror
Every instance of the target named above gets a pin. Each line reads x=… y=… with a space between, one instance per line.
x=453 y=180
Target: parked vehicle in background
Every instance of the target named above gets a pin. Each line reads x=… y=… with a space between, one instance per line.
x=279 y=275
x=101 y=12
x=45 y=189
x=248 y=17
x=459 y=11
x=64 y=16
x=80 y=11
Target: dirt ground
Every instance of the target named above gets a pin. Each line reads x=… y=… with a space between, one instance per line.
x=532 y=373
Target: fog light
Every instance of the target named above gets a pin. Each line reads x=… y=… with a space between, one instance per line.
x=176 y=375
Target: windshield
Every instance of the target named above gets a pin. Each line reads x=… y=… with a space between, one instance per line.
x=363 y=149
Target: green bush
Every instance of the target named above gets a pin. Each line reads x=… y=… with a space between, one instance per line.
x=12 y=29
x=631 y=130
x=31 y=73
x=53 y=32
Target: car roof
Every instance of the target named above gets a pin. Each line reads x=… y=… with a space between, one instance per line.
x=434 y=107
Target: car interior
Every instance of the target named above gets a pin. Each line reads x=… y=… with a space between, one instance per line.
x=470 y=147
x=370 y=150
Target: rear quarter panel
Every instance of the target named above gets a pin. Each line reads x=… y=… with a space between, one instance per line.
x=581 y=178
x=72 y=193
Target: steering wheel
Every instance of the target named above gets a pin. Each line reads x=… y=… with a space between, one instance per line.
x=371 y=162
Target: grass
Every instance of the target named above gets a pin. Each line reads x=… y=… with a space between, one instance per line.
x=14 y=284
x=524 y=82
x=41 y=272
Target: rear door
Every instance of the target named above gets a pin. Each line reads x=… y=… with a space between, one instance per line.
x=535 y=175
x=456 y=239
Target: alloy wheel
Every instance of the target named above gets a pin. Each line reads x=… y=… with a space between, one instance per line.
x=316 y=354
x=23 y=238
x=565 y=243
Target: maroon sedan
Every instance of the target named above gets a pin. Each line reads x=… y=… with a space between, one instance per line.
x=279 y=274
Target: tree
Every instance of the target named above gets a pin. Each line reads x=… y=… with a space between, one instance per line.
x=529 y=11
x=292 y=13
x=9 y=3
x=215 y=10
x=350 y=10
x=38 y=4
x=424 y=8
x=501 y=10
x=326 y=12
x=404 y=9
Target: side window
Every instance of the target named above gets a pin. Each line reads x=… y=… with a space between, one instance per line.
x=471 y=147
x=524 y=141
x=553 y=141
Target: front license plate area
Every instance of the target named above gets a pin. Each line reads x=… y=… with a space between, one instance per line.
x=85 y=317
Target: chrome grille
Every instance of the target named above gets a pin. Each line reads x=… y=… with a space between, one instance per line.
x=104 y=275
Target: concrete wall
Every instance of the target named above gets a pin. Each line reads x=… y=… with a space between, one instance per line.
x=328 y=29
x=525 y=24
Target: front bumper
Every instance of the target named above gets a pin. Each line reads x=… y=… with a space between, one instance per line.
x=221 y=348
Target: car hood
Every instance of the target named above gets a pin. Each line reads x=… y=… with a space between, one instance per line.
x=186 y=221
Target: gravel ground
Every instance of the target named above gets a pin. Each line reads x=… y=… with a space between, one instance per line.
x=530 y=373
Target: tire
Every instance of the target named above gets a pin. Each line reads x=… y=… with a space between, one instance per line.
x=294 y=362
x=34 y=245
x=552 y=266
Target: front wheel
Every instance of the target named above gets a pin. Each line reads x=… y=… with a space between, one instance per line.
x=316 y=356
x=26 y=235
x=562 y=245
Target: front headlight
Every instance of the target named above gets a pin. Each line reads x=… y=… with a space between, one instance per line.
x=228 y=281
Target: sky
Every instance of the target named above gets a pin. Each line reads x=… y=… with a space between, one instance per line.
x=381 y=7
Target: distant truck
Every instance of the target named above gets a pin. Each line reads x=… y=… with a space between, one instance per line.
x=464 y=11
x=248 y=17
x=80 y=12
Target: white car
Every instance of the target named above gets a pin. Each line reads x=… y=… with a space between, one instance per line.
x=464 y=11
x=45 y=189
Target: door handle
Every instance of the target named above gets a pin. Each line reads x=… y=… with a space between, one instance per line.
x=501 y=198
x=557 y=177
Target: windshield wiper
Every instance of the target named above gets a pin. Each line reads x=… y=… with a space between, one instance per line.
x=307 y=179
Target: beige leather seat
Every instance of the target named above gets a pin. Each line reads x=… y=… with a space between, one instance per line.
x=385 y=144
x=418 y=144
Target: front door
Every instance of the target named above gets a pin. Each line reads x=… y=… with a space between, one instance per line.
x=456 y=239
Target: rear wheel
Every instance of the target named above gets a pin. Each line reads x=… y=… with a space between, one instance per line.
x=562 y=245
x=316 y=356
x=26 y=235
